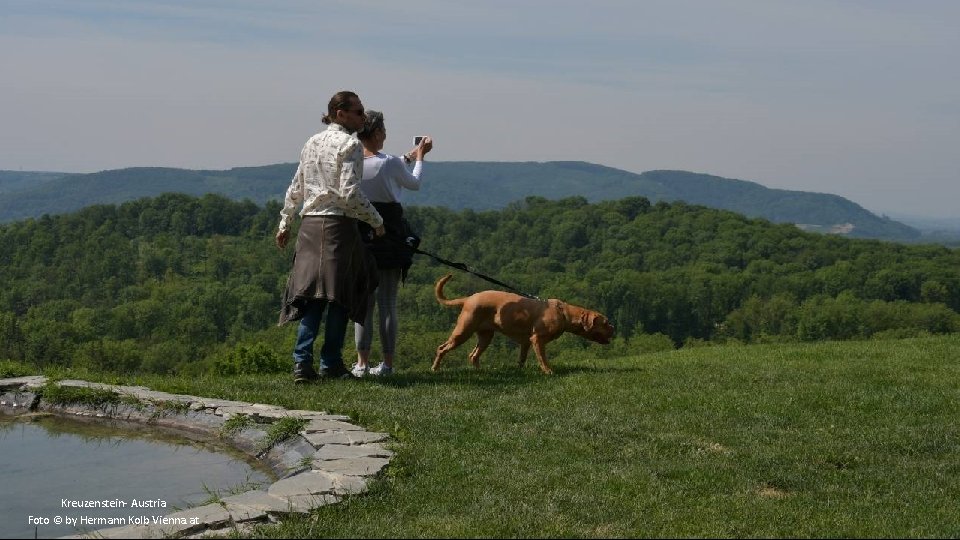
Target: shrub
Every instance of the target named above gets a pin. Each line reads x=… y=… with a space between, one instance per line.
x=252 y=359
x=108 y=355
x=650 y=343
x=847 y=317
x=9 y=368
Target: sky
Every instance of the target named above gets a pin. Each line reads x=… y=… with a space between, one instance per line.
x=859 y=98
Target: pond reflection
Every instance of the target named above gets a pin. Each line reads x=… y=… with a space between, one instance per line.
x=53 y=467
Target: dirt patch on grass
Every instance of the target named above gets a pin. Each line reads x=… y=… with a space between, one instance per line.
x=771 y=492
x=717 y=448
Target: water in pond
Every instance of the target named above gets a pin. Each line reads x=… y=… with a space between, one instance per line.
x=48 y=463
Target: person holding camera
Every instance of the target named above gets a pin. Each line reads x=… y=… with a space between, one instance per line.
x=332 y=269
x=384 y=179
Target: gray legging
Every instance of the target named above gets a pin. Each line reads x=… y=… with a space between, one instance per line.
x=386 y=299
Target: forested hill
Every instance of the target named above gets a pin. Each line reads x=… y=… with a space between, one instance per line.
x=178 y=283
x=460 y=185
x=492 y=185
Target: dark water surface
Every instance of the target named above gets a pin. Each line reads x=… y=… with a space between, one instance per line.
x=49 y=461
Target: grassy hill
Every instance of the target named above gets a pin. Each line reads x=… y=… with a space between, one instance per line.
x=824 y=440
x=461 y=185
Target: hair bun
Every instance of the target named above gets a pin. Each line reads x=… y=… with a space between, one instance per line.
x=326 y=119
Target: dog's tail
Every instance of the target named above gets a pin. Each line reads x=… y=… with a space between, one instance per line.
x=438 y=290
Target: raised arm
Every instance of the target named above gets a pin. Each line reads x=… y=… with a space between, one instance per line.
x=411 y=180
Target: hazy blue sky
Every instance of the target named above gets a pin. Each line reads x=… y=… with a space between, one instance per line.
x=857 y=98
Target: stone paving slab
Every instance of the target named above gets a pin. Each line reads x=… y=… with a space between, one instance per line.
x=318 y=415
x=240 y=513
x=208 y=515
x=184 y=522
x=231 y=410
x=360 y=466
x=267 y=406
x=346 y=484
x=143 y=393
x=234 y=530
x=341 y=451
x=85 y=384
x=331 y=457
x=258 y=500
x=32 y=381
x=213 y=422
x=213 y=403
x=320 y=438
x=131 y=389
x=292 y=455
x=305 y=483
x=306 y=503
x=248 y=439
x=275 y=414
x=330 y=425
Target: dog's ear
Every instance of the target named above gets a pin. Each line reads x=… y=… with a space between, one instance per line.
x=590 y=321
x=576 y=314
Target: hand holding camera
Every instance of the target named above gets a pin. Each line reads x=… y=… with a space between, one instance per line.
x=423 y=144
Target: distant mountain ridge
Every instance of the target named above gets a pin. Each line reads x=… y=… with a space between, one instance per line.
x=458 y=185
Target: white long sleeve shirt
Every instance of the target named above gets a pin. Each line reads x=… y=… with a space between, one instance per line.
x=327 y=181
x=385 y=176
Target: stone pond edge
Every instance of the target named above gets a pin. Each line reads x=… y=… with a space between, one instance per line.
x=327 y=460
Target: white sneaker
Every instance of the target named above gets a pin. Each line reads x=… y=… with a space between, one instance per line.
x=381 y=370
x=360 y=372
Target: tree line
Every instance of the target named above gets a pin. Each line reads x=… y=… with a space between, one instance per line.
x=178 y=283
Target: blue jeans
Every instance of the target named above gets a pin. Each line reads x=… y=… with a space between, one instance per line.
x=331 y=353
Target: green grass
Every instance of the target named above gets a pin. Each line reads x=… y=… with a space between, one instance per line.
x=852 y=439
x=279 y=431
x=235 y=424
x=70 y=395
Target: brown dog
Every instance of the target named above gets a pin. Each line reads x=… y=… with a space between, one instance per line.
x=524 y=320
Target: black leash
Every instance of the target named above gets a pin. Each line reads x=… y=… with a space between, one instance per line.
x=408 y=243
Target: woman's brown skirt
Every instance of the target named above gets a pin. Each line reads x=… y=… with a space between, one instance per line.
x=331 y=263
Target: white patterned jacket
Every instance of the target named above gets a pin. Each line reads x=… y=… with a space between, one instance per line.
x=327 y=182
